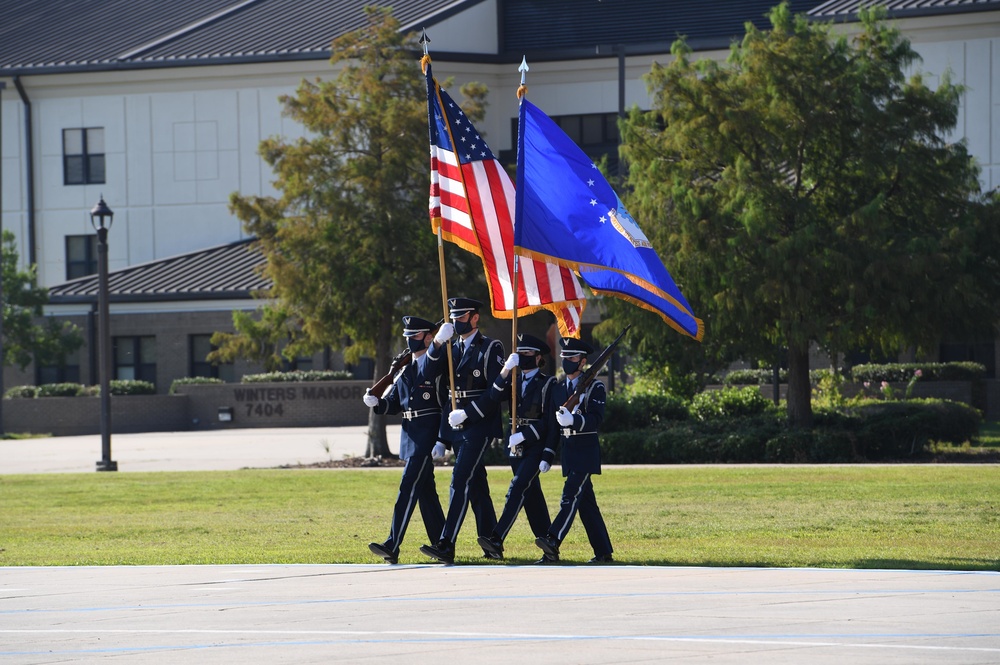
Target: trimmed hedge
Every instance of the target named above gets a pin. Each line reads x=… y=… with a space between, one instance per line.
x=298 y=375
x=193 y=381
x=59 y=390
x=123 y=387
x=963 y=371
x=21 y=392
x=632 y=412
x=753 y=377
x=728 y=403
x=875 y=431
x=894 y=372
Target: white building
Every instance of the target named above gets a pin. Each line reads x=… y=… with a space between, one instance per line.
x=160 y=107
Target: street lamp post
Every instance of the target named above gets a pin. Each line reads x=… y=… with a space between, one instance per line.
x=98 y=215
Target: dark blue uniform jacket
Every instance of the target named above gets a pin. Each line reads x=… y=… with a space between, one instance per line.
x=418 y=392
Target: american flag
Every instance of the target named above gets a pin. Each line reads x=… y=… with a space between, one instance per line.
x=472 y=201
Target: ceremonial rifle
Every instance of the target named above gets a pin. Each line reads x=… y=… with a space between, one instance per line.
x=399 y=361
x=591 y=373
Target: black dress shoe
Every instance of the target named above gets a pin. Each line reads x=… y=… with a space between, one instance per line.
x=549 y=545
x=492 y=547
x=602 y=558
x=546 y=559
x=443 y=551
x=385 y=551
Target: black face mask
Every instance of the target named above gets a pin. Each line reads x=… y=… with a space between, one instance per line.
x=463 y=327
x=415 y=344
x=527 y=362
x=570 y=366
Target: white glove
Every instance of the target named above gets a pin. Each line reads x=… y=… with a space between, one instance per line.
x=439 y=450
x=516 y=439
x=457 y=417
x=369 y=399
x=513 y=360
x=444 y=333
x=544 y=466
x=564 y=417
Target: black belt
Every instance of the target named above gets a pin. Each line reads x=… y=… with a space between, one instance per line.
x=420 y=413
x=526 y=421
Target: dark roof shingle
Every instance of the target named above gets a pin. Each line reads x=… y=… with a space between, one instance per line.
x=55 y=35
x=902 y=8
x=532 y=25
x=224 y=272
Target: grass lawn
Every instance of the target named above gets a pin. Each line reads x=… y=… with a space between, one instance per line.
x=933 y=516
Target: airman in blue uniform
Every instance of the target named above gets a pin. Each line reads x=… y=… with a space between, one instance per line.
x=580 y=456
x=532 y=435
x=472 y=426
x=418 y=394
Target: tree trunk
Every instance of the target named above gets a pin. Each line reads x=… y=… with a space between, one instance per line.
x=799 y=388
x=378 y=443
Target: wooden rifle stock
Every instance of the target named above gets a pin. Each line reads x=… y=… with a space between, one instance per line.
x=399 y=361
x=591 y=373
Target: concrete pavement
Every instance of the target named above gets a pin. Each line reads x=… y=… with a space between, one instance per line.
x=431 y=613
x=495 y=614
x=215 y=450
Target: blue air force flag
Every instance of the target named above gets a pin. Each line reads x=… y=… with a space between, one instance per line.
x=567 y=212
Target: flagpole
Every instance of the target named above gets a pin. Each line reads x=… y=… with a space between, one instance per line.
x=521 y=90
x=425 y=40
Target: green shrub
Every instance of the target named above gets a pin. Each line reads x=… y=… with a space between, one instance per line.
x=626 y=447
x=728 y=402
x=124 y=387
x=876 y=431
x=298 y=375
x=193 y=381
x=897 y=372
x=21 y=392
x=754 y=377
x=927 y=419
x=690 y=442
x=832 y=445
x=60 y=390
x=765 y=377
x=638 y=411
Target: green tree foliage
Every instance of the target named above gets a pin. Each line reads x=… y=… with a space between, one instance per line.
x=24 y=339
x=805 y=191
x=348 y=242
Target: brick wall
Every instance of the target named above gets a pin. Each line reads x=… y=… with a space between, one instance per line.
x=282 y=404
x=72 y=416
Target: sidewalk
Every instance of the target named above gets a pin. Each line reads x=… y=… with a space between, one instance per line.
x=217 y=450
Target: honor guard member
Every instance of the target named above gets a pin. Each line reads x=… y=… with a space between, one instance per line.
x=472 y=426
x=418 y=394
x=534 y=433
x=581 y=457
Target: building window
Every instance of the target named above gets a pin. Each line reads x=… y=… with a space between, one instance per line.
x=83 y=156
x=298 y=364
x=201 y=346
x=81 y=256
x=68 y=371
x=595 y=133
x=135 y=358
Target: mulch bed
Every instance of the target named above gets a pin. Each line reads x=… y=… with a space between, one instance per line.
x=349 y=463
